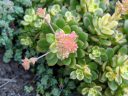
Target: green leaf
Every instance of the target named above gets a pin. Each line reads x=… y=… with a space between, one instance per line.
x=67 y=61
x=73 y=4
x=85 y=91
x=73 y=62
x=38 y=23
x=87 y=80
x=81 y=61
x=119 y=79
x=30 y=11
x=73 y=75
x=103 y=5
x=123 y=49
x=83 y=36
x=72 y=22
x=125 y=76
x=67 y=29
x=80 y=76
x=112 y=85
x=121 y=60
x=104 y=57
x=99 y=12
x=42 y=45
x=75 y=28
x=110 y=53
x=92 y=65
x=53 y=48
x=45 y=28
x=53 y=61
x=28 y=18
x=80 y=44
x=86 y=22
x=50 y=56
x=94 y=75
x=55 y=27
x=24 y=23
x=105 y=42
x=50 y=38
x=126 y=26
x=80 y=53
x=26 y=41
x=60 y=22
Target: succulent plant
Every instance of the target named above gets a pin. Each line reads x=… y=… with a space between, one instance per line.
x=90 y=5
x=31 y=19
x=54 y=9
x=86 y=40
x=90 y=89
x=117 y=72
x=96 y=52
x=81 y=72
x=105 y=26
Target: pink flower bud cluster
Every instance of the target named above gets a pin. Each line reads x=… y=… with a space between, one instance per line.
x=26 y=62
x=42 y=13
x=66 y=44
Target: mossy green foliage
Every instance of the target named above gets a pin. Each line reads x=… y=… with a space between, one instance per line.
x=52 y=83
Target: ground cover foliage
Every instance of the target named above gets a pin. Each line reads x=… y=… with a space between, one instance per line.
x=71 y=45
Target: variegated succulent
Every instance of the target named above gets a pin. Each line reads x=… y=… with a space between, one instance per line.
x=85 y=38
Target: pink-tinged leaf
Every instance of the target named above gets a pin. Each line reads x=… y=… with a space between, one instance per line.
x=41 y=12
x=26 y=63
x=33 y=60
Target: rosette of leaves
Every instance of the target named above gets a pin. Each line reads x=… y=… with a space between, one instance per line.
x=86 y=72
x=119 y=37
x=31 y=19
x=90 y=89
x=90 y=5
x=105 y=28
x=55 y=9
x=81 y=72
x=117 y=72
x=97 y=54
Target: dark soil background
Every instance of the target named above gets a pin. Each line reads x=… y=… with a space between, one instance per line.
x=16 y=72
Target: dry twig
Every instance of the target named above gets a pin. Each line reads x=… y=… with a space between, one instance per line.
x=7 y=81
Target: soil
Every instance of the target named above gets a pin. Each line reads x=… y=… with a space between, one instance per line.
x=13 y=78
